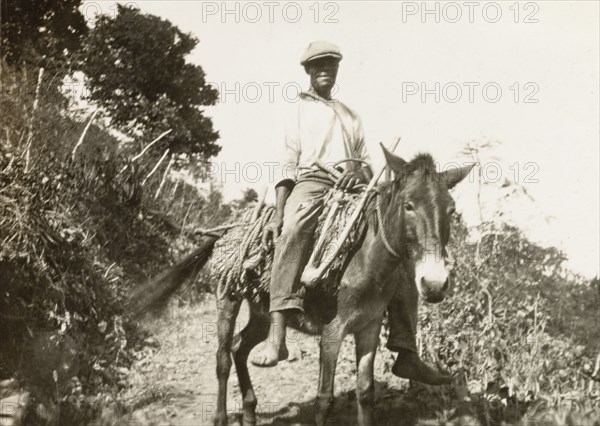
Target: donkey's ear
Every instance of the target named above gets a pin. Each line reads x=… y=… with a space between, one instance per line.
x=394 y=162
x=455 y=175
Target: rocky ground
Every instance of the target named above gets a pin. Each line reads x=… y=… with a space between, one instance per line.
x=174 y=381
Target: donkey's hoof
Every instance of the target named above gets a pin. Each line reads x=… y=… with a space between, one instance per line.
x=248 y=421
x=220 y=420
x=224 y=421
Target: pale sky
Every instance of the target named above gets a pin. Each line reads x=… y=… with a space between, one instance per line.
x=394 y=50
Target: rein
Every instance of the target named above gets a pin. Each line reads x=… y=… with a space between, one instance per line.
x=384 y=239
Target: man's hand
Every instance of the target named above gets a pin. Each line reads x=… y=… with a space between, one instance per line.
x=349 y=179
x=271 y=231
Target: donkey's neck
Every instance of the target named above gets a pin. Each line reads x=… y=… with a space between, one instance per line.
x=379 y=263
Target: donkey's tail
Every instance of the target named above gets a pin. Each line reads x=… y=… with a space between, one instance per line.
x=156 y=292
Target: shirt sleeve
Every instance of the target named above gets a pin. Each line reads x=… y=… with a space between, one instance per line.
x=360 y=148
x=287 y=148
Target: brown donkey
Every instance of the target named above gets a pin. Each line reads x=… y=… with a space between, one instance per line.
x=408 y=226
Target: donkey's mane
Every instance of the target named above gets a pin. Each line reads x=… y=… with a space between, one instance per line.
x=422 y=162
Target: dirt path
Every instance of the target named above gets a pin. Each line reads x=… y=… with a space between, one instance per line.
x=174 y=383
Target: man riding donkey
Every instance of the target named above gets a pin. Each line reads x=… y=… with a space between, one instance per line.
x=325 y=130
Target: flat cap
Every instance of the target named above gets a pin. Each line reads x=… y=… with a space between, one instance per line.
x=320 y=49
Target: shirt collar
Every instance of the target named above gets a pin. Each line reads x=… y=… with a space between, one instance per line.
x=312 y=94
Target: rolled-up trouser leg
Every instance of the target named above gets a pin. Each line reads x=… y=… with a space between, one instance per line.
x=403 y=316
x=292 y=248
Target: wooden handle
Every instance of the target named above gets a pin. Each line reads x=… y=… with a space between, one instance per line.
x=312 y=273
x=328 y=168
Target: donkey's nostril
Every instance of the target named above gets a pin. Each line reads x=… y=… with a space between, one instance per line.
x=445 y=287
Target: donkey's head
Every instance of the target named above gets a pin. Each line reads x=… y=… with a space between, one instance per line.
x=420 y=207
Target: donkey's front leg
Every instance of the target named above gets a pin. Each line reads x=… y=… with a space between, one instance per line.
x=331 y=340
x=367 y=340
x=227 y=311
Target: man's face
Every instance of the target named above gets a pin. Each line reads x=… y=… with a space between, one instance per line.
x=323 y=72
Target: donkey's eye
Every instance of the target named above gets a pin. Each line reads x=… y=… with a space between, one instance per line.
x=451 y=210
x=409 y=207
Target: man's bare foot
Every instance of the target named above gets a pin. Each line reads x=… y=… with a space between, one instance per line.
x=409 y=366
x=267 y=355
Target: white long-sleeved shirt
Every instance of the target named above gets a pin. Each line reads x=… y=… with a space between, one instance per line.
x=318 y=129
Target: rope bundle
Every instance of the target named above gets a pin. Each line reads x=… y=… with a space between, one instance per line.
x=233 y=251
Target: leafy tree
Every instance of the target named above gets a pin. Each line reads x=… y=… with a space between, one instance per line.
x=42 y=32
x=137 y=71
x=250 y=195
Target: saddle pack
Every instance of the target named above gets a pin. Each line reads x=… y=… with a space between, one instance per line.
x=241 y=265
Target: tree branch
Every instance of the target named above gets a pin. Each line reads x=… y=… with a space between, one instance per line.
x=156 y=166
x=85 y=130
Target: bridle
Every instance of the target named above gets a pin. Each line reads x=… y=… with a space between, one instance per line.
x=448 y=257
x=384 y=239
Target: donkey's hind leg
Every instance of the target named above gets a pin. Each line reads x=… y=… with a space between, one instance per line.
x=255 y=332
x=227 y=311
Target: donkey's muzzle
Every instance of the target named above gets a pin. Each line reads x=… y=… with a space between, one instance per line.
x=433 y=292
x=432 y=278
